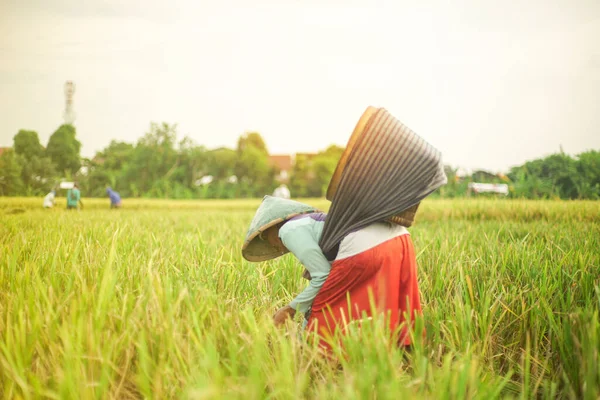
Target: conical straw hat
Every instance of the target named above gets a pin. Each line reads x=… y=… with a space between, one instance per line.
x=272 y=211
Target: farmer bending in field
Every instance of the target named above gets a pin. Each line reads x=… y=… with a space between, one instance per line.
x=73 y=198
x=49 y=199
x=382 y=176
x=281 y=226
x=115 y=198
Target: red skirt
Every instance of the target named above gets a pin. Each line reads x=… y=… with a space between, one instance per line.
x=382 y=279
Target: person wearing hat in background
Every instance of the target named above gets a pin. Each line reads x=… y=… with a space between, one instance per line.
x=115 y=198
x=49 y=199
x=74 y=198
x=280 y=226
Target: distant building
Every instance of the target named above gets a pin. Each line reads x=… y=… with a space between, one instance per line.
x=284 y=164
x=3 y=149
x=477 y=188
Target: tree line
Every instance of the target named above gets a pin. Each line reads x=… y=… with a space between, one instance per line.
x=161 y=165
x=557 y=176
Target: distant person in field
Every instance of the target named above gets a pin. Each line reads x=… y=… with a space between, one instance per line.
x=282 y=225
x=282 y=191
x=115 y=198
x=73 y=198
x=49 y=199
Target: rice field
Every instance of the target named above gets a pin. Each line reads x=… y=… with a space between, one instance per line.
x=155 y=301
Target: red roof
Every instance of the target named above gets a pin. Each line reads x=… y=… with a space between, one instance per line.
x=3 y=149
x=282 y=162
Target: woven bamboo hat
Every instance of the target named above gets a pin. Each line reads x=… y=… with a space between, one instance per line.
x=406 y=217
x=272 y=211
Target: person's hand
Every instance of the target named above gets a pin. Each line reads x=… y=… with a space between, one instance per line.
x=283 y=314
x=306 y=275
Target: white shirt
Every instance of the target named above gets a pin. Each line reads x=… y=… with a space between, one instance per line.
x=49 y=200
x=369 y=237
x=282 y=191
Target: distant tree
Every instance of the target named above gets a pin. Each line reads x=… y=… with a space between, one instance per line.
x=37 y=171
x=324 y=166
x=152 y=160
x=588 y=175
x=334 y=152
x=252 y=139
x=115 y=156
x=531 y=186
x=220 y=163
x=311 y=174
x=455 y=187
x=482 y=176
x=160 y=136
x=94 y=182
x=559 y=171
x=255 y=175
x=10 y=174
x=38 y=175
x=63 y=149
x=192 y=163
x=107 y=168
x=27 y=144
x=300 y=177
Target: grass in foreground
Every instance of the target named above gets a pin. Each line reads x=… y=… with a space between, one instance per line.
x=155 y=301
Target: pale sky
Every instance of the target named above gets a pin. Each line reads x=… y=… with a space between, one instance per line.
x=489 y=83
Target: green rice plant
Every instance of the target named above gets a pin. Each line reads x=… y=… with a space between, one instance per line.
x=155 y=301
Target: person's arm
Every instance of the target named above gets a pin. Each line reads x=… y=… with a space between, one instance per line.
x=304 y=300
x=301 y=238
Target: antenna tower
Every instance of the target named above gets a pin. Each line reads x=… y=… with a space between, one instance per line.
x=69 y=115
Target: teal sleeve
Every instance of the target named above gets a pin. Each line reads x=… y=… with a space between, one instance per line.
x=301 y=237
